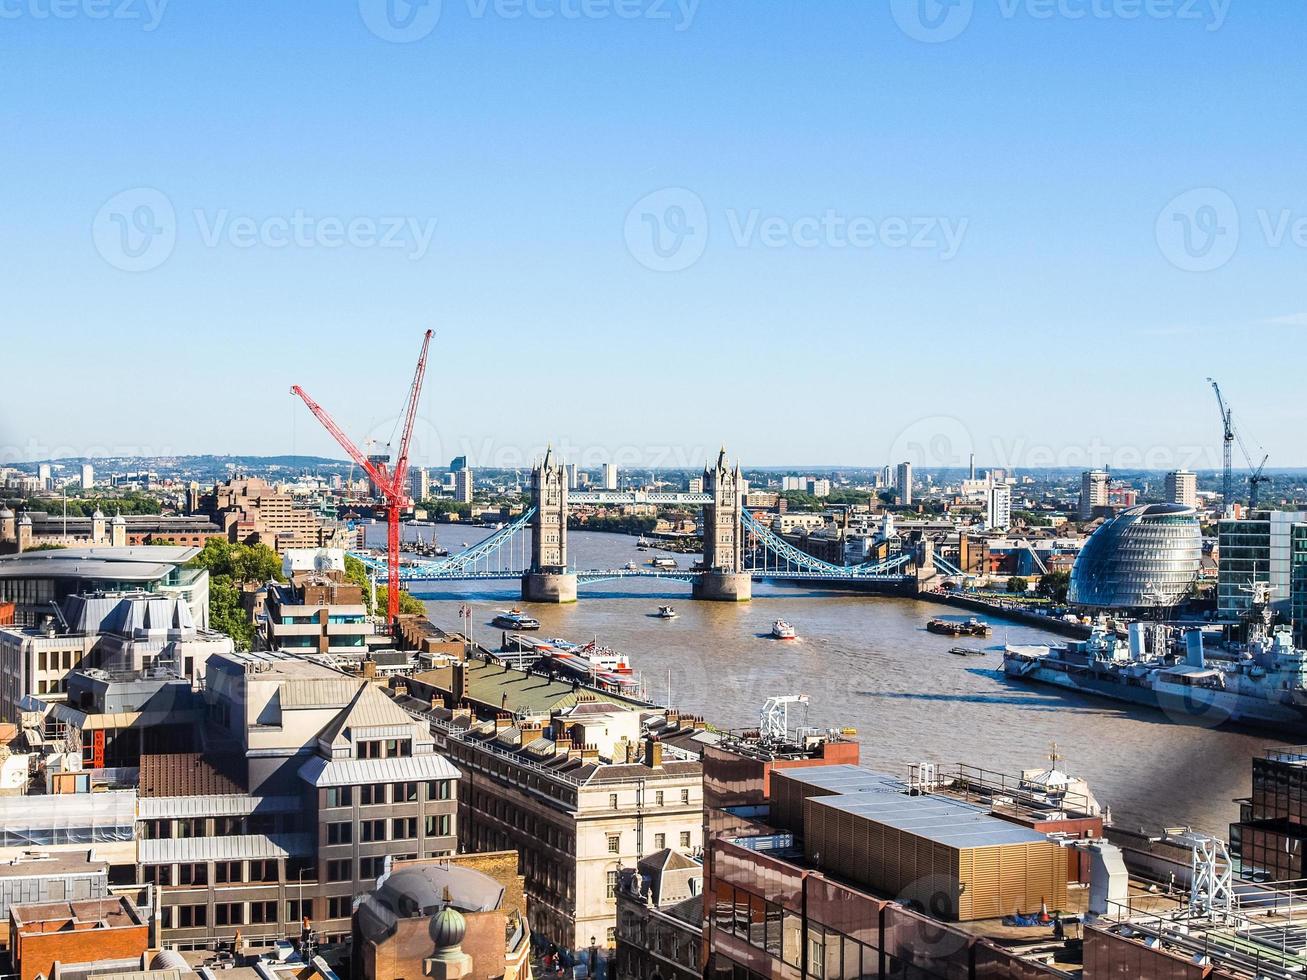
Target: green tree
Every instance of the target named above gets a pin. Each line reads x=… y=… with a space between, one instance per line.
x=1054 y=586
x=231 y=567
x=1017 y=585
x=357 y=573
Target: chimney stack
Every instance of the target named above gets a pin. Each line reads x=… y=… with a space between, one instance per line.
x=653 y=753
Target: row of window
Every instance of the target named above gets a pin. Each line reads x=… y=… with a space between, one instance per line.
x=659 y=842
x=224 y=873
x=380 y=793
x=660 y=799
x=397 y=828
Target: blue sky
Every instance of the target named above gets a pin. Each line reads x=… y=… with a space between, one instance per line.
x=795 y=228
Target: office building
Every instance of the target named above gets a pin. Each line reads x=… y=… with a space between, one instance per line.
x=77 y=938
x=463 y=485
x=1182 y=488
x=581 y=784
x=1093 y=493
x=313 y=782
x=35 y=579
x=571 y=476
x=998 y=509
x=610 y=478
x=318 y=613
x=1298 y=584
x=88 y=476
x=43 y=477
x=903 y=484
x=419 y=485
x=252 y=511
x=1147 y=557
x=1257 y=548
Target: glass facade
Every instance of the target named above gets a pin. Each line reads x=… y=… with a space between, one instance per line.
x=1298 y=584
x=1257 y=549
x=1147 y=556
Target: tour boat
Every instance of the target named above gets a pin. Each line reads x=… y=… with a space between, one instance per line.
x=782 y=630
x=666 y=612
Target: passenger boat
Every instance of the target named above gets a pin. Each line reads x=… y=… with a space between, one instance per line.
x=663 y=563
x=966 y=652
x=666 y=612
x=515 y=619
x=782 y=630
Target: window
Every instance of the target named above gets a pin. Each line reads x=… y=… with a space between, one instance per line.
x=612 y=885
x=685 y=797
x=614 y=843
x=340 y=871
x=658 y=798
x=262 y=871
x=193 y=874
x=612 y=801
x=261 y=912
x=229 y=913
x=372 y=830
x=297 y=910
x=340 y=833
x=339 y=908
x=438 y=825
x=685 y=840
x=338 y=796
x=403 y=828
x=225 y=872
x=372 y=795
x=660 y=841
x=191 y=916
x=404 y=793
x=371 y=868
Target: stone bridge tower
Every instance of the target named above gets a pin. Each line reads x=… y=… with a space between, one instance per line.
x=724 y=578
x=548 y=578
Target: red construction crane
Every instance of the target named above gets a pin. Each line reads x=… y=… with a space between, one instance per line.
x=391 y=483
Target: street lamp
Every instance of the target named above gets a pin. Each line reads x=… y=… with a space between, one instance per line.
x=594 y=956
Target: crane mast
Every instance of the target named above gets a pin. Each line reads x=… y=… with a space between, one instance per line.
x=390 y=482
x=1227 y=449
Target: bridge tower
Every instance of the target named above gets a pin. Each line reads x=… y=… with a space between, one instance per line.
x=724 y=578
x=548 y=579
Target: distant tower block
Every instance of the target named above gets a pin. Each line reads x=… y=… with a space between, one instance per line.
x=724 y=578
x=548 y=579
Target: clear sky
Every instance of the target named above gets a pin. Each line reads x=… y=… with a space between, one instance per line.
x=824 y=232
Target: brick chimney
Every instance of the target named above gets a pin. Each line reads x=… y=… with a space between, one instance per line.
x=503 y=720
x=653 y=753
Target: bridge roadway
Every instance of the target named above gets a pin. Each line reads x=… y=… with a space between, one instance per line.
x=593 y=575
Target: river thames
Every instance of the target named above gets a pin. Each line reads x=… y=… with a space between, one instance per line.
x=867 y=662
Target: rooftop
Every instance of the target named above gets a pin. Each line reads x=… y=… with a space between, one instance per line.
x=96 y=913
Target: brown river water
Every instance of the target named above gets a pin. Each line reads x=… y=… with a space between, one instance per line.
x=867 y=662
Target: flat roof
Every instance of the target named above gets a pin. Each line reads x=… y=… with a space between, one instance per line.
x=940 y=819
x=238 y=847
x=53 y=864
x=91 y=913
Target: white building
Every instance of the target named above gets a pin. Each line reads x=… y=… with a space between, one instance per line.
x=1093 y=492
x=419 y=484
x=998 y=513
x=43 y=476
x=88 y=476
x=903 y=483
x=463 y=485
x=571 y=476
x=1182 y=488
x=610 y=476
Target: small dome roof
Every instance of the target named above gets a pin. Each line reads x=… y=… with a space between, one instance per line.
x=25 y=520
x=98 y=515
x=6 y=513
x=118 y=519
x=448 y=928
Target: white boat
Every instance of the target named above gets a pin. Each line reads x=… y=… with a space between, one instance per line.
x=632 y=566
x=782 y=630
x=666 y=612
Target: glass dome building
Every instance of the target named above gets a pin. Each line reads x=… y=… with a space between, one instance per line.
x=1145 y=557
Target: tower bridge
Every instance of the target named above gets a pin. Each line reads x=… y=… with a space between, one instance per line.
x=736 y=548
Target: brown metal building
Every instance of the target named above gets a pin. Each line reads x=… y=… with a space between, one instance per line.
x=954 y=859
